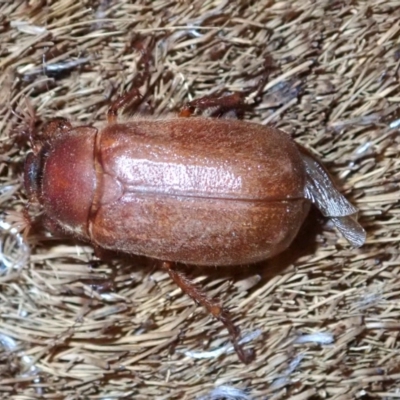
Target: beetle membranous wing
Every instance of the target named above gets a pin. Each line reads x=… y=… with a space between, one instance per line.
x=350 y=229
x=320 y=190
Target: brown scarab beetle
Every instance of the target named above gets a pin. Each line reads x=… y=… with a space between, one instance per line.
x=203 y=191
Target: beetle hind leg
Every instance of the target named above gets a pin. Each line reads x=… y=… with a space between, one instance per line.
x=213 y=307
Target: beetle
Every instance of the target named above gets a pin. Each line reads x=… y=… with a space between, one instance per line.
x=182 y=189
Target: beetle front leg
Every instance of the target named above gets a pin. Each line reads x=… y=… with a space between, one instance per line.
x=213 y=307
x=133 y=96
x=221 y=103
x=227 y=102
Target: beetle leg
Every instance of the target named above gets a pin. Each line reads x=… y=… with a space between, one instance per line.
x=213 y=307
x=220 y=102
x=133 y=95
x=122 y=101
x=226 y=102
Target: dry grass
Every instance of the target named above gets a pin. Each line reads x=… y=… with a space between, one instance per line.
x=324 y=318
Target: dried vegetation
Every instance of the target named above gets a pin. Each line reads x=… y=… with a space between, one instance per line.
x=323 y=318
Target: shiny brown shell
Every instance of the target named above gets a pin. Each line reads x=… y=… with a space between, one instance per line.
x=192 y=190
